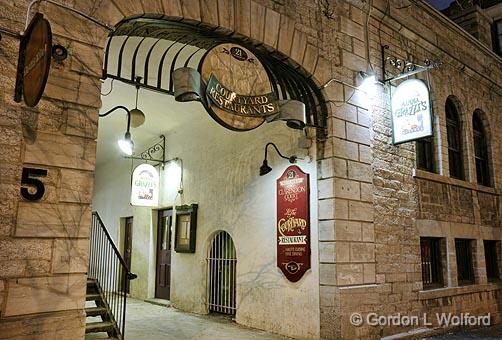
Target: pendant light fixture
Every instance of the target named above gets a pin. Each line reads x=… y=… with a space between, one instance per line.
x=137 y=116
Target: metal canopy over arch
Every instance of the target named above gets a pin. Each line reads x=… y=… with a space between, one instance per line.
x=151 y=48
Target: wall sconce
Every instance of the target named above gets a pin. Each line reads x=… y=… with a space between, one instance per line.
x=368 y=83
x=135 y=118
x=292 y=112
x=265 y=168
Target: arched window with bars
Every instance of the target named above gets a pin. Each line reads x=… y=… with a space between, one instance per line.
x=454 y=136
x=480 y=149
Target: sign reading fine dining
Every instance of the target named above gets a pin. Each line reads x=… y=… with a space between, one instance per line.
x=293 y=223
x=145 y=186
x=411 y=112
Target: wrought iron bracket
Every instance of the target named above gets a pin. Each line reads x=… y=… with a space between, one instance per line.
x=404 y=68
x=155 y=153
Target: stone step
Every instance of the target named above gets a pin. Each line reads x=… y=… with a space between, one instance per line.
x=95 y=311
x=92 y=297
x=96 y=327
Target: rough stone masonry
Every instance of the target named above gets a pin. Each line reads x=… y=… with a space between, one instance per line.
x=373 y=204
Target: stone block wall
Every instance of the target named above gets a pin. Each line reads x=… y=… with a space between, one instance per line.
x=44 y=244
x=372 y=208
x=405 y=204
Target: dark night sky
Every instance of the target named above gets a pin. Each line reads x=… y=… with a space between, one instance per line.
x=440 y=4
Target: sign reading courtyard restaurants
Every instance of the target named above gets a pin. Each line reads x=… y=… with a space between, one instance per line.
x=293 y=223
x=411 y=111
x=238 y=87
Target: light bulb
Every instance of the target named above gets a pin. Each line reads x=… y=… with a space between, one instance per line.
x=126 y=145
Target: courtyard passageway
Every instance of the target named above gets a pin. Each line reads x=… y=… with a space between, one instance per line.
x=153 y=322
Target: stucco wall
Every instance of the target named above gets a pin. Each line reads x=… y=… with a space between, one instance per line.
x=220 y=174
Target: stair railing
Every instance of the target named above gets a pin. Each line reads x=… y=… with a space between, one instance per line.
x=109 y=269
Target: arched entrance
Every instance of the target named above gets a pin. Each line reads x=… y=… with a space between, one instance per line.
x=221 y=268
x=145 y=52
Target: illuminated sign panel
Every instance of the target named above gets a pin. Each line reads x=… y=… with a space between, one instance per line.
x=411 y=112
x=145 y=186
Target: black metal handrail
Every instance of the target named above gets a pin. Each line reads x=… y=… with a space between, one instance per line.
x=109 y=269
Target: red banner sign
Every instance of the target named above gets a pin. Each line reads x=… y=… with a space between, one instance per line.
x=293 y=223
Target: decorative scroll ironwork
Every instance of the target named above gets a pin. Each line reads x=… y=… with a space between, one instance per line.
x=404 y=68
x=155 y=153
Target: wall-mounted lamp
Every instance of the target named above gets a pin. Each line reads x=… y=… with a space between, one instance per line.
x=126 y=144
x=292 y=112
x=368 y=83
x=265 y=168
x=135 y=118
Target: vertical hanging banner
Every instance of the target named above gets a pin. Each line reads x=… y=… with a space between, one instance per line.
x=145 y=186
x=293 y=223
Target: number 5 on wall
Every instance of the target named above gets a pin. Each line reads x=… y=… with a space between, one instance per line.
x=26 y=180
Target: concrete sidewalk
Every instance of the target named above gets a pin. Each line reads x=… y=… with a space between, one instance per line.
x=148 y=321
x=485 y=333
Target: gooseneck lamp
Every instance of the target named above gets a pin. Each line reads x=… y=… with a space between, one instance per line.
x=126 y=144
x=265 y=168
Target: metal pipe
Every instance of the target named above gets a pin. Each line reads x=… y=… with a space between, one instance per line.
x=111 y=29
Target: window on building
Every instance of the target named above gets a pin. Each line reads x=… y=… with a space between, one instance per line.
x=497 y=37
x=480 y=150
x=465 y=270
x=425 y=154
x=491 y=260
x=453 y=131
x=432 y=274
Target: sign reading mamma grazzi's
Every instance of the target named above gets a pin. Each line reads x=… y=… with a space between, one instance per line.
x=293 y=223
x=145 y=186
x=411 y=111
x=238 y=88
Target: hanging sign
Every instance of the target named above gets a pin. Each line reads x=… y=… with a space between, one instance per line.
x=411 y=111
x=238 y=89
x=34 y=61
x=293 y=223
x=145 y=186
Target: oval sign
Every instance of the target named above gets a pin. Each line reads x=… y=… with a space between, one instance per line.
x=145 y=186
x=238 y=88
x=35 y=51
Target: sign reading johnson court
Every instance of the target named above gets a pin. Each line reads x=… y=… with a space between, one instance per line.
x=411 y=111
x=238 y=88
x=293 y=223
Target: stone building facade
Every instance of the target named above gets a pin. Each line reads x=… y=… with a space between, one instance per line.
x=374 y=205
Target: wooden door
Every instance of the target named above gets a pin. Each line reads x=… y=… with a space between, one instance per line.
x=128 y=246
x=163 y=279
